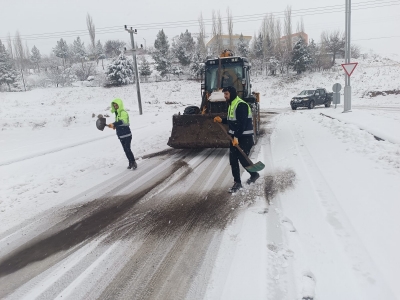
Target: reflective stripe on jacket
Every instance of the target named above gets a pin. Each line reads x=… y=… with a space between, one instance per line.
x=235 y=127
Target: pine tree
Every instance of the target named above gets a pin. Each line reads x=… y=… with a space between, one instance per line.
x=300 y=57
x=184 y=47
x=313 y=51
x=144 y=68
x=7 y=73
x=61 y=50
x=243 y=47
x=35 y=57
x=79 y=50
x=161 y=55
x=119 y=71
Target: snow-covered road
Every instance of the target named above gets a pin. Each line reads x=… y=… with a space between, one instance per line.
x=321 y=222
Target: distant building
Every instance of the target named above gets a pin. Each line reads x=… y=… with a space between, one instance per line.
x=225 y=41
x=295 y=38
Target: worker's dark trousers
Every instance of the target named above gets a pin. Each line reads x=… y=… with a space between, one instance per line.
x=245 y=142
x=126 y=144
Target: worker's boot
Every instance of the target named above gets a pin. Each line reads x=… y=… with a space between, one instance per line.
x=236 y=186
x=134 y=165
x=253 y=178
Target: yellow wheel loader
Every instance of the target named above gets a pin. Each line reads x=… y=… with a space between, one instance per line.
x=195 y=128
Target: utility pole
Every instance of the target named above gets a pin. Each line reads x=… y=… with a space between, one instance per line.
x=131 y=32
x=347 y=87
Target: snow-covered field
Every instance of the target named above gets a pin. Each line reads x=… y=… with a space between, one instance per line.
x=332 y=234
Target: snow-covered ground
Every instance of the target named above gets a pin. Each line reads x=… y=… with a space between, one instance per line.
x=332 y=233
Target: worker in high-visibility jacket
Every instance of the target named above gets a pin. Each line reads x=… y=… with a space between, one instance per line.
x=240 y=123
x=124 y=133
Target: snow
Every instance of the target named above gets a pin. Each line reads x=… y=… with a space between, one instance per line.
x=332 y=233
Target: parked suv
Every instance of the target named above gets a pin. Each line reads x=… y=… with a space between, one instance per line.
x=312 y=97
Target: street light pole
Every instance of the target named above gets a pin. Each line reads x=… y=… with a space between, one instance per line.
x=131 y=32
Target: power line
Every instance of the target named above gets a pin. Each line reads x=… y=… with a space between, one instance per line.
x=246 y=18
x=378 y=38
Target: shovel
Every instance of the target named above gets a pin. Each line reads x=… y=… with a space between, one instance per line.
x=252 y=167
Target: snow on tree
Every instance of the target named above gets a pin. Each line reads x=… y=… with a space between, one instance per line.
x=273 y=65
x=144 y=67
x=79 y=50
x=119 y=71
x=61 y=50
x=183 y=48
x=161 y=54
x=197 y=65
x=7 y=73
x=243 y=47
x=176 y=70
x=300 y=57
x=35 y=57
x=314 y=55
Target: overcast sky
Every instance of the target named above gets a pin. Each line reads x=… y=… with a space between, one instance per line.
x=43 y=22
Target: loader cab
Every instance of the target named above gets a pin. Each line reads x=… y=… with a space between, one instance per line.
x=223 y=72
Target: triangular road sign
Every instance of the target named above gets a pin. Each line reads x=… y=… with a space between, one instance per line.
x=349 y=68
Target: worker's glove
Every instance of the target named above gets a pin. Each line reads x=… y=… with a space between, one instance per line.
x=235 y=141
x=111 y=125
x=218 y=119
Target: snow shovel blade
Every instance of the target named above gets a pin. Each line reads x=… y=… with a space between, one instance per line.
x=255 y=167
x=101 y=123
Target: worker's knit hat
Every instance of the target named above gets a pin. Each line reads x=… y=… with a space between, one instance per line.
x=232 y=92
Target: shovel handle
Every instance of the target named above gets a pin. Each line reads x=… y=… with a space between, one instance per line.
x=237 y=146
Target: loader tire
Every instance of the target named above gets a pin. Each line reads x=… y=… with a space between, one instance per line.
x=191 y=110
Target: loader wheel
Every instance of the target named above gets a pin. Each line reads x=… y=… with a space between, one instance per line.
x=191 y=110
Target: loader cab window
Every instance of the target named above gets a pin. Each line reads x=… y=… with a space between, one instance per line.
x=231 y=74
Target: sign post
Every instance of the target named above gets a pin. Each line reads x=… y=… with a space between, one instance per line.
x=336 y=93
x=347 y=86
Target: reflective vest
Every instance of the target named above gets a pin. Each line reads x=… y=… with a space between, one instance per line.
x=232 y=121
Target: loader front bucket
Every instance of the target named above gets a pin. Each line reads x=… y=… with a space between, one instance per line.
x=197 y=131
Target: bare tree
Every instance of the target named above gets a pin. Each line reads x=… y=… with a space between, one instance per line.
x=288 y=27
x=113 y=48
x=202 y=35
x=230 y=28
x=19 y=51
x=214 y=49
x=277 y=35
x=92 y=32
x=27 y=55
x=333 y=43
x=10 y=48
x=300 y=25
x=355 y=51
x=220 y=33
